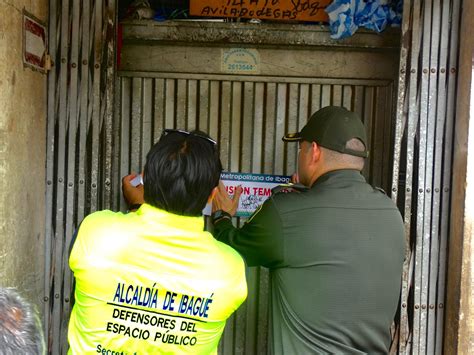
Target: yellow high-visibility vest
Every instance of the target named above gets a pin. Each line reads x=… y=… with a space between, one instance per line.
x=151 y=282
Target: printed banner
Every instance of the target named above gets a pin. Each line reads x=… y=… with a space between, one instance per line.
x=256 y=188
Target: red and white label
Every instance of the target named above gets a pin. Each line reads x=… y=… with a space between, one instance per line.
x=35 y=43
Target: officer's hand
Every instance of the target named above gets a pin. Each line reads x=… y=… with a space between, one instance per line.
x=295 y=178
x=222 y=200
x=132 y=194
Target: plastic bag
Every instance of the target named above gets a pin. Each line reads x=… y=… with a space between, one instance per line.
x=346 y=16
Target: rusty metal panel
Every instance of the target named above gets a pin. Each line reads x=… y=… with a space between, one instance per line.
x=125 y=109
x=214 y=101
x=224 y=137
x=192 y=105
x=95 y=93
x=147 y=122
x=70 y=179
x=431 y=221
x=303 y=108
x=50 y=151
x=269 y=138
x=439 y=236
x=280 y=127
x=422 y=161
x=291 y=125
x=80 y=130
x=325 y=95
x=107 y=106
x=135 y=125
x=389 y=131
x=181 y=94
x=84 y=107
x=235 y=126
x=170 y=105
x=258 y=127
x=424 y=182
x=158 y=118
x=367 y=106
x=59 y=235
x=346 y=96
x=450 y=51
x=203 y=103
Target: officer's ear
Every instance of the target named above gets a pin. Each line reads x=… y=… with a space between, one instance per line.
x=315 y=152
x=212 y=195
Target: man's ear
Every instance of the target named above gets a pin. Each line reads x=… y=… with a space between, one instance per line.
x=212 y=195
x=315 y=152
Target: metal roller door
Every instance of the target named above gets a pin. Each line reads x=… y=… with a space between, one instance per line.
x=101 y=122
x=248 y=114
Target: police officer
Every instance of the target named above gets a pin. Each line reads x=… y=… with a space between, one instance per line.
x=334 y=247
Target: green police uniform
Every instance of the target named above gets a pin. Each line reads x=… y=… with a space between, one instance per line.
x=335 y=253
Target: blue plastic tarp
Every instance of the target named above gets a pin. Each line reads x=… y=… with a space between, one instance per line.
x=346 y=16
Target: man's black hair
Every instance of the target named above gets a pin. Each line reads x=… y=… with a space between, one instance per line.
x=180 y=172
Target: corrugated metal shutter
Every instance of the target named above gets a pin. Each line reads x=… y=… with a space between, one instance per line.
x=249 y=117
x=79 y=141
x=176 y=82
x=423 y=165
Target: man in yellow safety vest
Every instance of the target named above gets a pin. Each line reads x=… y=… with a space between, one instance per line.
x=153 y=281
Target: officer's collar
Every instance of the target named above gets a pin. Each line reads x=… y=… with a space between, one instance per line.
x=342 y=174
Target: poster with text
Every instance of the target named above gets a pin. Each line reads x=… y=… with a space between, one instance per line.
x=256 y=188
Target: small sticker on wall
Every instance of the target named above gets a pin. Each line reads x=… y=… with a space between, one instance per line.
x=34 y=43
x=240 y=61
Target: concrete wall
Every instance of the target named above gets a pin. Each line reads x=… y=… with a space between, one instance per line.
x=22 y=156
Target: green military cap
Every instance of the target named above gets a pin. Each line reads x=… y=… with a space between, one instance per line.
x=332 y=127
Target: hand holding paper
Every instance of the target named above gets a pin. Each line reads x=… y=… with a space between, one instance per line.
x=222 y=200
x=295 y=179
x=133 y=195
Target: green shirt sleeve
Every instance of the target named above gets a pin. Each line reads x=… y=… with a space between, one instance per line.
x=259 y=240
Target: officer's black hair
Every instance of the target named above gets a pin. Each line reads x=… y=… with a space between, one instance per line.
x=180 y=172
